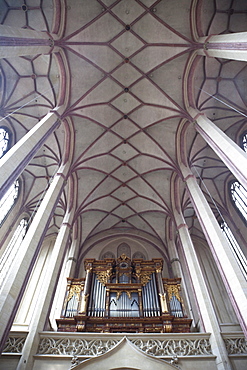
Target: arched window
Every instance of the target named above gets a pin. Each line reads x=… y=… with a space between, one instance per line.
x=244 y=141
x=4 y=141
x=12 y=248
x=8 y=200
x=239 y=197
x=237 y=191
x=240 y=257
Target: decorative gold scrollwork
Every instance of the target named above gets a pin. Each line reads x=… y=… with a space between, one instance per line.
x=173 y=289
x=102 y=277
x=145 y=277
x=128 y=292
x=75 y=289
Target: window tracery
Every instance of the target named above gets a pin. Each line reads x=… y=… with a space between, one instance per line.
x=8 y=200
x=12 y=248
x=240 y=257
x=4 y=141
x=239 y=198
x=244 y=141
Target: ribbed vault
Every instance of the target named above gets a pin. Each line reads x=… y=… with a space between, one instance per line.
x=127 y=72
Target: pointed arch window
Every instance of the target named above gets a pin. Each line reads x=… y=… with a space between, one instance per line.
x=239 y=198
x=8 y=200
x=244 y=141
x=237 y=191
x=4 y=141
x=12 y=248
x=240 y=257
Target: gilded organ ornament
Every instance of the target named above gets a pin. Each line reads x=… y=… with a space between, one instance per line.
x=124 y=295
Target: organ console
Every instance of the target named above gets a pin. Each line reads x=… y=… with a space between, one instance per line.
x=123 y=295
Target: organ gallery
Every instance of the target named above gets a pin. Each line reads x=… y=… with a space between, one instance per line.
x=124 y=295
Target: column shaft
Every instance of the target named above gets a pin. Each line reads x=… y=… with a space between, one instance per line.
x=208 y=317
x=228 y=151
x=66 y=271
x=43 y=303
x=228 y=46
x=18 y=275
x=17 y=158
x=16 y=42
x=230 y=271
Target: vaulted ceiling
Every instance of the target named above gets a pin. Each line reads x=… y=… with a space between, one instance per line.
x=126 y=71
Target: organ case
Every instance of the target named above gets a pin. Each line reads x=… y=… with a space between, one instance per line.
x=123 y=295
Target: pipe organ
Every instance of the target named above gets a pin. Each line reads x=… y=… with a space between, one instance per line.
x=123 y=295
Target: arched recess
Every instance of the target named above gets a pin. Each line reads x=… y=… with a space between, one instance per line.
x=123 y=248
x=141 y=242
x=127 y=356
x=216 y=288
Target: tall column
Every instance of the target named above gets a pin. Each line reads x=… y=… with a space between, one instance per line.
x=67 y=271
x=227 y=46
x=229 y=152
x=43 y=303
x=230 y=271
x=208 y=317
x=16 y=42
x=18 y=275
x=17 y=158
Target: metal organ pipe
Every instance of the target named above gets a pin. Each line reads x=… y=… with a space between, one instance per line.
x=157 y=307
x=144 y=301
x=91 y=298
x=96 y=297
x=148 y=300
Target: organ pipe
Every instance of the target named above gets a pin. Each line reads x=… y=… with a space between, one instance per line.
x=115 y=290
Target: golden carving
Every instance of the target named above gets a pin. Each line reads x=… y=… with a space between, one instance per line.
x=145 y=277
x=104 y=276
x=173 y=289
x=138 y=272
x=75 y=289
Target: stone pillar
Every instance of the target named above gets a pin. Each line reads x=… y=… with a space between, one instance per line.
x=230 y=271
x=15 y=42
x=16 y=280
x=43 y=303
x=66 y=271
x=228 y=46
x=17 y=158
x=208 y=318
x=85 y=293
x=229 y=152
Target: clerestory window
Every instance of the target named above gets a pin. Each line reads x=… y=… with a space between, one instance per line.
x=240 y=257
x=237 y=192
x=239 y=198
x=12 y=248
x=244 y=141
x=8 y=200
x=4 y=141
